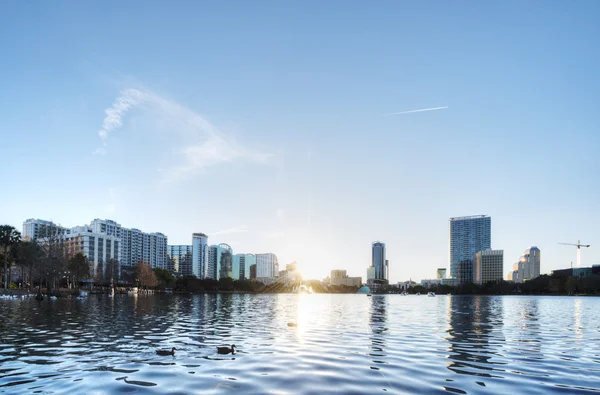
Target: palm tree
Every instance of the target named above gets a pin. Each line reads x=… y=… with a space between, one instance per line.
x=9 y=237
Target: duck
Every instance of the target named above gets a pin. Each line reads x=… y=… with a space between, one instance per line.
x=166 y=352
x=226 y=350
x=292 y=324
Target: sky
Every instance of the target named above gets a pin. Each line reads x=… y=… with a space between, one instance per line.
x=290 y=127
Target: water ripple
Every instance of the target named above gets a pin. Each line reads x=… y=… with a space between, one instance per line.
x=337 y=344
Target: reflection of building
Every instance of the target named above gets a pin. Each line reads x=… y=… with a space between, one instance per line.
x=377 y=273
x=441 y=273
x=465 y=272
x=474 y=321
x=180 y=259
x=468 y=235
x=267 y=267
x=488 y=266
x=199 y=267
x=528 y=266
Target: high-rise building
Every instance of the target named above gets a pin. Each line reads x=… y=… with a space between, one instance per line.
x=253 y=271
x=226 y=263
x=468 y=235
x=133 y=245
x=464 y=272
x=214 y=260
x=241 y=266
x=488 y=266
x=200 y=253
x=528 y=266
x=38 y=228
x=267 y=267
x=97 y=247
x=441 y=273
x=180 y=259
x=335 y=274
x=378 y=271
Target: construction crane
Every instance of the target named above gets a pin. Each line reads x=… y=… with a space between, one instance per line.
x=578 y=245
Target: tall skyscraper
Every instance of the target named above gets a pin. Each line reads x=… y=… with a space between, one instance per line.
x=488 y=265
x=528 y=266
x=378 y=271
x=200 y=255
x=468 y=235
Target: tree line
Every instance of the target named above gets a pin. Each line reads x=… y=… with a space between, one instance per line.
x=542 y=285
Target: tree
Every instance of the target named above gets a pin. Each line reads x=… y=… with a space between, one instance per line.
x=112 y=272
x=226 y=284
x=29 y=257
x=9 y=237
x=79 y=267
x=54 y=259
x=145 y=275
x=164 y=277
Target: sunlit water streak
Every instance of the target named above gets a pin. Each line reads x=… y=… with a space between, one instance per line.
x=341 y=344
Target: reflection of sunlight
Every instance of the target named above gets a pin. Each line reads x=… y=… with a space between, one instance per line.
x=577 y=319
x=303 y=313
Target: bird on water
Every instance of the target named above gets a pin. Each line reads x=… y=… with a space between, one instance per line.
x=166 y=352
x=226 y=350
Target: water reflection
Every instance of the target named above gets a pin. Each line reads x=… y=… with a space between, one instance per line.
x=341 y=344
x=475 y=335
x=377 y=320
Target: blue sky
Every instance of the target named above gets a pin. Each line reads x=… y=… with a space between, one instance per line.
x=262 y=124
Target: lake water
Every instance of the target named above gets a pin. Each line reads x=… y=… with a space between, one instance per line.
x=342 y=344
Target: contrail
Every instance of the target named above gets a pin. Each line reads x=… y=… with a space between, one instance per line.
x=420 y=110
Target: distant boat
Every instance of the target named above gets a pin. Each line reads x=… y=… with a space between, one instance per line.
x=431 y=294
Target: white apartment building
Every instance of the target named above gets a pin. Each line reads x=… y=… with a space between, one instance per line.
x=105 y=238
x=267 y=267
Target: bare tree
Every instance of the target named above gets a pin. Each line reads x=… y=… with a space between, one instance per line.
x=145 y=275
x=54 y=259
x=79 y=267
x=9 y=237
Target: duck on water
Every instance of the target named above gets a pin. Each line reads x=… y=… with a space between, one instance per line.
x=166 y=352
x=226 y=350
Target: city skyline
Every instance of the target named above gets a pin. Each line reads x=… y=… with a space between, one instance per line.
x=302 y=129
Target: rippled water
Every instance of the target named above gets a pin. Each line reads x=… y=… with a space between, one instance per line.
x=342 y=344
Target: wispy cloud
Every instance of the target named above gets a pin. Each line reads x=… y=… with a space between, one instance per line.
x=237 y=229
x=202 y=143
x=128 y=99
x=419 y=110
